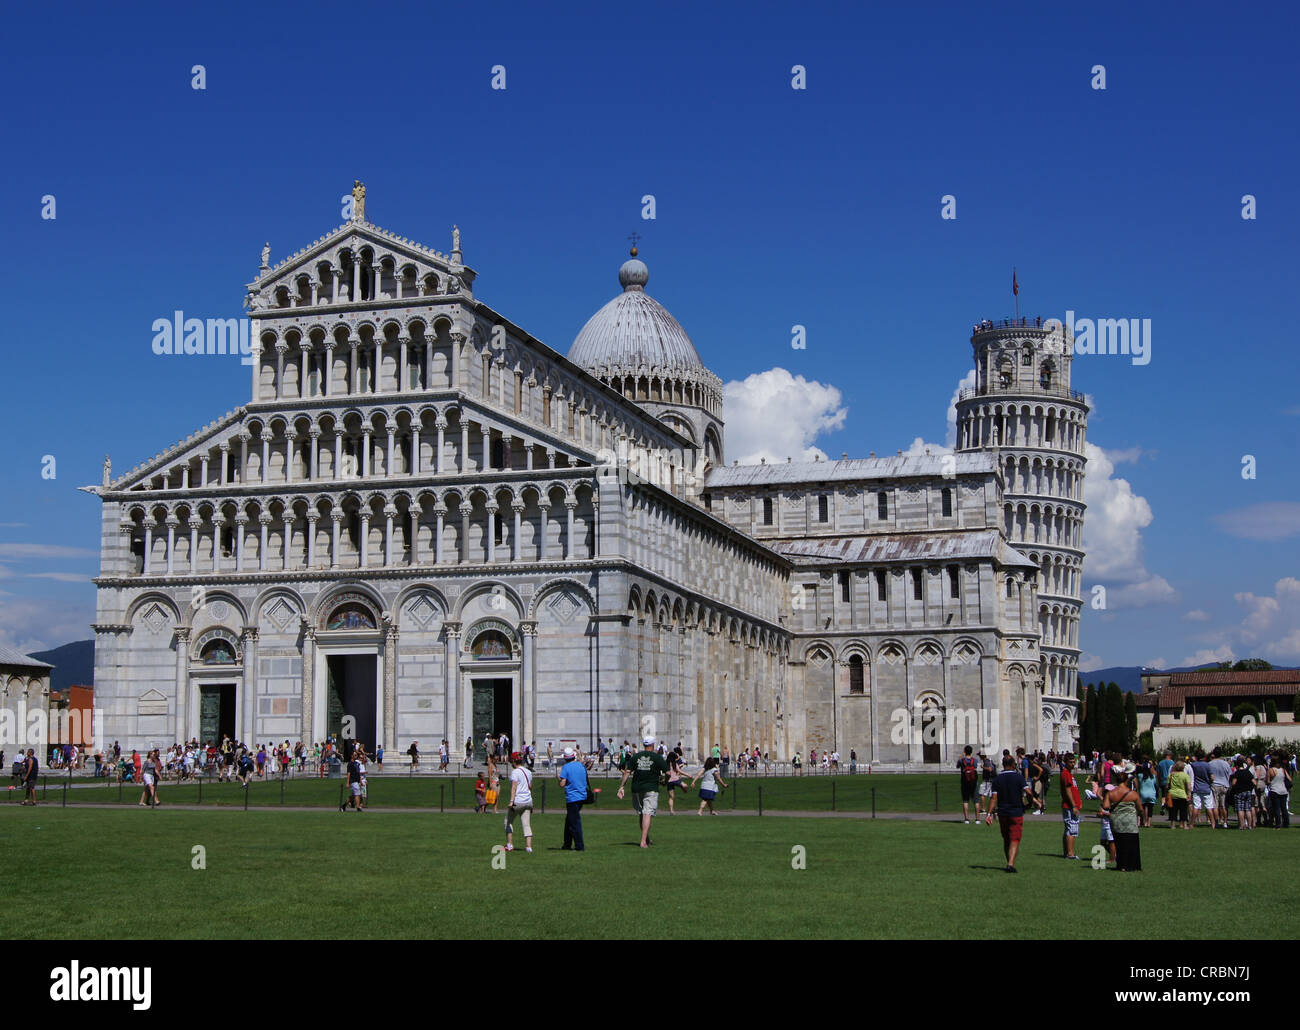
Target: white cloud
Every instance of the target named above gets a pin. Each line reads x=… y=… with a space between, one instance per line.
x=919 y=447
x=776 y=415
x=1090 y=663
x=62 y=577
x=1270 y=520
x=1112 y=533
x=1156 y=663
x=1205 y=656
x=1268 y=628
x=1197 y=616
x=967 y=383
x=38 y=624
x=45 y=551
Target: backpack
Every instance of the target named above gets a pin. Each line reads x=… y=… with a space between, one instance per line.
x=968 y=769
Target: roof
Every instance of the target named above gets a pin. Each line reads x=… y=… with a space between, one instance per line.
x=901 y=467
x=634 y=330
x=12 y=656
x=1222 y=684
x=906 y=547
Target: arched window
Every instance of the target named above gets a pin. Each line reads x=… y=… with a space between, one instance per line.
x=767 y=511
x=856 y=679
x=882 y=505
x=823 y=509
x=947 y=502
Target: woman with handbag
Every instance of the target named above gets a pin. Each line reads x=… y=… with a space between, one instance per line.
x=1122 y=803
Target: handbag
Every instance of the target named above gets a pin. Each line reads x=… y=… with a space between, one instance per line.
x=490 y=796
x=590 y=799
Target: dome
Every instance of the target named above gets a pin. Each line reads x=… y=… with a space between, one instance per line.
x=633 y=330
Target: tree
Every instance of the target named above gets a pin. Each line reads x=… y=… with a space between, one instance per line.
x=1270 y=710
x=1113 y=730
x=1295 y=708
x=1091 y=722
x=1212 y=714
x=1244 y=710
x=1130 y=722
x=1252 y=665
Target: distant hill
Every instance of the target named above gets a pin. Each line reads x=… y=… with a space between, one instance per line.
x=73 y=663
x=1129 y=677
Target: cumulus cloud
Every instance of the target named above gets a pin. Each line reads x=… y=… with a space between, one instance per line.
x=62 y=577
x=38 y=624
x=1270 y=520
x=1268 y=627
x=1206 y=656
x=1090 y=663
x=776 y=415
x=967 y=383
x=1112 y=533
x=45 y=551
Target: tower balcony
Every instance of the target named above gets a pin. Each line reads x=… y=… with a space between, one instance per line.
x=1019 y=390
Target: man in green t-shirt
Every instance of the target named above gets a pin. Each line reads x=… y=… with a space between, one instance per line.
x=645 y=768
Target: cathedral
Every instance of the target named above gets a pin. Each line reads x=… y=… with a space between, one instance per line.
x=426 y=524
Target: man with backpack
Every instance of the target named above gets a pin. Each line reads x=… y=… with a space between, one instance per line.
x=988 y=773
x=969 y=770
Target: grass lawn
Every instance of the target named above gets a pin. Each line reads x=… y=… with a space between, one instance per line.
x=893 y=793
x=113 y=874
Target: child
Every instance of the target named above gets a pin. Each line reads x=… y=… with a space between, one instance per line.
x=480 y=794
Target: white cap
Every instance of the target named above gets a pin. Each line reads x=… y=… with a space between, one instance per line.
x=647 y=740
x=569 y=752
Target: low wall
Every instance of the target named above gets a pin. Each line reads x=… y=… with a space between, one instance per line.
x=1212 y=734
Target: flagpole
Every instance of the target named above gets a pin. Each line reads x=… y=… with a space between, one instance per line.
x=1015 y=289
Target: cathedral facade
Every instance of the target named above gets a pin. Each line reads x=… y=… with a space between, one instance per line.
x=426 y=524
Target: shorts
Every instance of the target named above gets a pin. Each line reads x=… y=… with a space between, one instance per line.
x=1202 y=802
x=707 y=795
x=1220 y=797
x=968 y=788
x=1107 y=834
x=986 y=789
x=1245 y=801
x=1012 y=825
x=1039 y=788
x=525 y=814
x=676 y=785
x=355 y=789
x=1180 y=809
x=647 y=803
x=1070 y=817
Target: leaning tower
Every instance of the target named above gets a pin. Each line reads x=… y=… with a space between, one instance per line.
x=1022 y=410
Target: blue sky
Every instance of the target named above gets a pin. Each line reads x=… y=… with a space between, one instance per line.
x=775 y=207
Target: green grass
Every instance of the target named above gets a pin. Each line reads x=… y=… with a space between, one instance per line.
x=114 y=874
x=893 y=793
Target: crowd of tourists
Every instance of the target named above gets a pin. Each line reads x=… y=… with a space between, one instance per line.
x=1213 y=790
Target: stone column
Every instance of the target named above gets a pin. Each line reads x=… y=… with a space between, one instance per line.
x=312 y=518
x=194 y=543
x=518 y=510
x=241 y=520
x=438 y=513
x=306 y=732
x=217 y=523
x=390 y=684
x=286 y=537
x=463 y=466
x=354 y=359
x=428 y=362
x=569 y=507
x=528 y=682
x=492 y=531
x=171 y=522
x=356 y=278
x=416 y=443
x=336 y=517
x=453 y=366
x=543 y=503
x=182 y=680
x=248 y=698
x=338 y=452
x=465 y=510
x=304 y=369
x=243 y=456
x=365 y=451
x=486 y=461
x=390 y=512
x=437 y=455
x=203 y=471
x=454 y=717
x=290 y=435
x=281 y=348
x=401 y=362
x=414 y=515
x=313 y=470
x=388 y=454
x=365 y=537
x=224 y=447
x=264 y=520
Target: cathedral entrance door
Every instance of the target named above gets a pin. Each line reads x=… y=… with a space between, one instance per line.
x=350 y=715
x=931 y=735
x=493 y=713
x=216 y=712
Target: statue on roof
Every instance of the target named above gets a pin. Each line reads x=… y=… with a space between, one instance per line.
x=358 y=200
x=108 y=470
x=455 y=238
x=266 y=255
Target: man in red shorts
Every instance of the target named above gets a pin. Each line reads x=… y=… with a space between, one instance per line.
x=1009 y=800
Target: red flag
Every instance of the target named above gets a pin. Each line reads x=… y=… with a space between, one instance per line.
x=1015 y=286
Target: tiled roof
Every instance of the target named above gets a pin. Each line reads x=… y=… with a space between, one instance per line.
x=774 y=473
x=1213 y=676
x=903 y=547
x=12 y=656
x=1280 y=683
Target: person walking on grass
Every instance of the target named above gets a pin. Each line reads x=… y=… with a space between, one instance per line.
x=1071 y=808
x=1180 y=792
x=676 y=777
x=711 y=782
x=1203 y=791
x=968 y=774
x=1279 y=791
x=149 y=771
x=1163 y=770
x=521 y=803
x=988 y=773
x=573 y=778
x=645 y=768
x=1122 y=804
x=31 y=767
x=1009 y=791
x=1100 y=788
x=1146 y=788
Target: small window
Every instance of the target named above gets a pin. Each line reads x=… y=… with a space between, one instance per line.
x=855 y=675
x=954 y=581
x=1027 y=358
x=1011 y=588
x=708 y=502
x=227 y=542
x=882 y=586
x=844 y=587
x=823 y=509
x=947 y=502
x=767 y=511
x=918 y=587
x=882 y=505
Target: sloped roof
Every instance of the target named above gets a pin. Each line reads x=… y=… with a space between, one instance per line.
x=12 y=656
x=1214 y=683
x=906 y=547
x=899 y=467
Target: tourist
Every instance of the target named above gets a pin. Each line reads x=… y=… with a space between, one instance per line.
x=1220 y=780
x=135 y=764
x=521 y=803
x=1260 y=772
x=379 y=757
x=1146 y=788
x=1180 y=790
x=726 y=761
x=1163 y=768
x=796 y=764
x=644 y=768
x=968 y=775
x=354 y=785
x=573 y=778
x=149 y=796
x=1122 y=804
x=674 y=777
x=853 y=764
x=469 y=751
x=414 y=752
x=503 y=745
x=1279 y=792
x=710 y=783
x=444 y=756
x=1071 y=808
x=31 y=767
x=360 y=756
x=550 y=755
x=1203 y=791
x=1241 y=792
x=988 y=773
x=1009 y=791
x=480 y=793
x=1100 y=789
